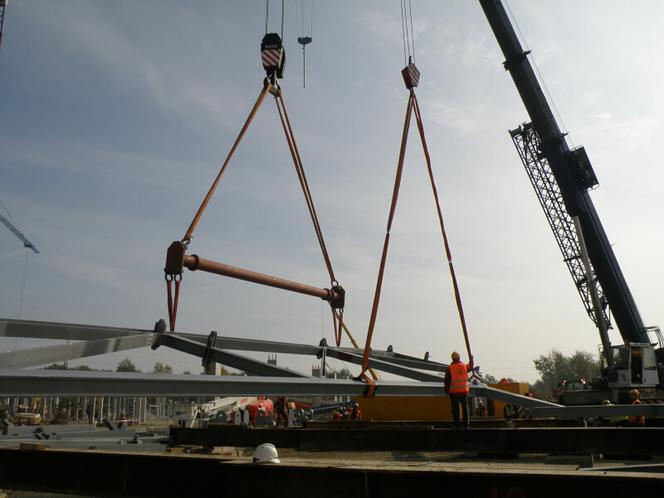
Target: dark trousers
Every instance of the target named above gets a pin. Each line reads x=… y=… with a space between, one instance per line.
x=456 y=400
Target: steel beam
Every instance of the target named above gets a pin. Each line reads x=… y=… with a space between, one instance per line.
x=383 y=366
x=15 y=382
x=586 y=411
x=484 y=391
x=233 y=360
x=31 y=329
x=32 y=357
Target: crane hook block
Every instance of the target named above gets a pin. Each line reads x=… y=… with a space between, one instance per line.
x=304 y=40
x=175 y=258
x=273 y=55
x=411 y=75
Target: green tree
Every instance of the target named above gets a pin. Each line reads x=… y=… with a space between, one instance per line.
x=126 y=365
x=555 y=367
x=162 y=368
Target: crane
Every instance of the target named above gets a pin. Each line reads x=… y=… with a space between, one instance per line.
x=12 y=228
x=3 y=9
x=562 y=178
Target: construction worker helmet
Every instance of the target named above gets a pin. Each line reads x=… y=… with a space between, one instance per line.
x=634 y=392
x=456 y=356
x=606 y=402
x=266 y=453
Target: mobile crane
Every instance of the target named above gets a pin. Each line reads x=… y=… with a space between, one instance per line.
x=562 y=177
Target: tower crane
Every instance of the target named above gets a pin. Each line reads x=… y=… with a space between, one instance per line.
x=12 y=228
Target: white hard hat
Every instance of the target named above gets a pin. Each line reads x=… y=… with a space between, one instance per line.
x=266 y=453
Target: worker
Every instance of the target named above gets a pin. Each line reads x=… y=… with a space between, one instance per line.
x=280 y=407
x=4 y=418
x=355 y=413
x=636 y=420
x=480 y=411
x=615 y=420
x=456 y=386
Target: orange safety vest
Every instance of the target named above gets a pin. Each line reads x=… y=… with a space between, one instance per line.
x=637 y=420
x=459 y=380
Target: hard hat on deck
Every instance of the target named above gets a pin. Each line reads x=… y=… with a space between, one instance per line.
x=266 y=453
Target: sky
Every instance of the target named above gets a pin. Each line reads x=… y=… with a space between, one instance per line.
x=115 y=118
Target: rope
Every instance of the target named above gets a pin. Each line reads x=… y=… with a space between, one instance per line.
x=267 y=86
x=386 y=243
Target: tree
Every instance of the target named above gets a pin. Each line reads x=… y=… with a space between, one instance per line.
x=555 y=367
x=126 y=365
x=162 y=368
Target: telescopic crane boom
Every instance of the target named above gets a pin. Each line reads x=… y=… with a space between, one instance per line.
x=562 y=178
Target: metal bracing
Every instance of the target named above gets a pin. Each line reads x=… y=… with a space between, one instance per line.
x=528 y=144
x=232 y=360
x=400 y=359
x=33 y=357
x=484 y=391
x=382 y=365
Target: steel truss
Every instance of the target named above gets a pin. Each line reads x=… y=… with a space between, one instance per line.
x=528 y=144
x=266 y=379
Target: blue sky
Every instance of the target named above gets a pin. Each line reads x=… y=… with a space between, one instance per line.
x=116 y=116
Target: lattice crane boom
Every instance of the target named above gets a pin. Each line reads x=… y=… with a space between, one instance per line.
x=12 y=228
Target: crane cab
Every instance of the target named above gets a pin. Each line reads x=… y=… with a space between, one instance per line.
x=634 y=365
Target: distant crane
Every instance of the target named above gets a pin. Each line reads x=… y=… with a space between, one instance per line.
x=17 y=232
x=3 y=8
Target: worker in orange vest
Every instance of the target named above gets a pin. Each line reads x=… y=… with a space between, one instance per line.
x=456 y=386
x=636 y=420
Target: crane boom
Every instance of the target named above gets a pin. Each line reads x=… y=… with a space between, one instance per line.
x=3 y=9
x=572 y=172
x=17 y=232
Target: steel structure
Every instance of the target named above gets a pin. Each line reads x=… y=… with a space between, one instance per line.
x=528 y=144
x=266 y=379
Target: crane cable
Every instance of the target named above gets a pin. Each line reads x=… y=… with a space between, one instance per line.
x=407 y=35
x=267 y=16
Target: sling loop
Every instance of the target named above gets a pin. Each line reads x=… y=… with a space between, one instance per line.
x=386 y=243
x=337 y=299
x=411 y=77
x=448 y=252
x=337 y=320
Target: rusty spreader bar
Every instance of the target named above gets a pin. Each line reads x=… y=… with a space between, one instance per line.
x=177 y=259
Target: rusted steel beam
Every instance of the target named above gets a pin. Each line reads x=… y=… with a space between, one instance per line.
x=194 y=262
